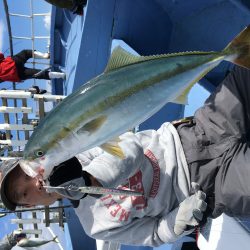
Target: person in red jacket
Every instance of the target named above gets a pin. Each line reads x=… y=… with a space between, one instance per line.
x=13 y=68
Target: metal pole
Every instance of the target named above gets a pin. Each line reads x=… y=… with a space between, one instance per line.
x=25 y=221
x=32 y=26
x=24 y=94
x=34 y=209
x=6 y=8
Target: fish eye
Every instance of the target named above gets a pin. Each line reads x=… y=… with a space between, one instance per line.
x=39 y=153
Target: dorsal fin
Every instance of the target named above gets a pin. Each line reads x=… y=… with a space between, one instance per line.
x=120 y=58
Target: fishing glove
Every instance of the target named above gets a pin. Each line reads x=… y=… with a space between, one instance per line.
x=69 y=173
x=190 y=211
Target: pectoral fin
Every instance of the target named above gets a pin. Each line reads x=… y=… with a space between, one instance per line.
x=113 y=148
x=93 y=125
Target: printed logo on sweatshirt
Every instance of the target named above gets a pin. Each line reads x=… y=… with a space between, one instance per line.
x=115 y=207
x=156 y=173
x=135 y=183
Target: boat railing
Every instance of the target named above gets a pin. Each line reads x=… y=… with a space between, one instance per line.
x=19 y=107
x=24 y=126
x=33 y=37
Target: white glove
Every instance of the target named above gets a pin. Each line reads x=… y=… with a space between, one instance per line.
x=190 y=210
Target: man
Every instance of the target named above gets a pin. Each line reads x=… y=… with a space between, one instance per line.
x=211 y=150
x=162 y=223
x=13 y=68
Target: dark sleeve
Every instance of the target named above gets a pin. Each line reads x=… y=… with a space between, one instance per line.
x=67 y=171
x=1 y=56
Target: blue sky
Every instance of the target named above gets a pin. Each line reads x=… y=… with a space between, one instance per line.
x=196 y=98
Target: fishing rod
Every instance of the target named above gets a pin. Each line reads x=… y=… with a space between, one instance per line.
x=98 y=190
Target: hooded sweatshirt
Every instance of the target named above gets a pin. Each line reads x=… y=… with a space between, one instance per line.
x=154 y=165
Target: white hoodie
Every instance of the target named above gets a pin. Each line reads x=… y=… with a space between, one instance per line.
x=155 y=165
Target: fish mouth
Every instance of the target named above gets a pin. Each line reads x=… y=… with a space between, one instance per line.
x=31 y=168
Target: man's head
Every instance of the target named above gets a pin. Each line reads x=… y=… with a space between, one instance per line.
x=19 y=189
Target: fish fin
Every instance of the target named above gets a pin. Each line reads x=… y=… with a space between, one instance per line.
x=120 y=58
x=113 y=148
x=240 y=46
x=93 y=125
x=183 y=98
x=55 y=239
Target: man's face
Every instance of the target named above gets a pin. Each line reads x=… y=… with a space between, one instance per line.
x=28 y=191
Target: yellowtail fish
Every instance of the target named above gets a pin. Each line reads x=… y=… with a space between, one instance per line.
x=36 y=242
x=130 y=90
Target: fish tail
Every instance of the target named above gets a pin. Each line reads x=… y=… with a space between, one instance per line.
x=55 y=239
x=239 y=47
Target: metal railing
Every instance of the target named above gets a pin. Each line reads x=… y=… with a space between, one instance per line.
x=17 y=126
x=27 y=125
x=21 y=117
x=32 y=37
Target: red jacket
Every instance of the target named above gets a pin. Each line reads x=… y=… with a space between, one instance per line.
x=8 y=70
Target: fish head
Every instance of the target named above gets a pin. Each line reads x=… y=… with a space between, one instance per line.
x=41 y=161
x=23 y=242
x=42 y=154
x=52 y=143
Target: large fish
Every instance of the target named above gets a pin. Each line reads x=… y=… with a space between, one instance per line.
x=2 y=215
x=131 y=89
x=36 y=242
